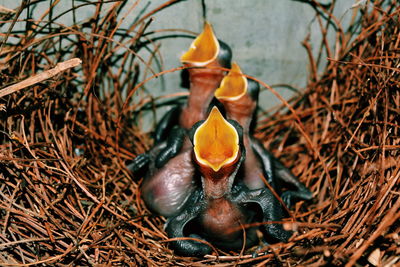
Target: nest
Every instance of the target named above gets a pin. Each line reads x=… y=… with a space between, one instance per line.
x=67 y=130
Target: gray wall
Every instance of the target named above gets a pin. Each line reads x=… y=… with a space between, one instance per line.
x=265 y=36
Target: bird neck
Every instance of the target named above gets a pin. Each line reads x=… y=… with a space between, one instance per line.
x=218 y=184
x=242 y=111
x=203 y=83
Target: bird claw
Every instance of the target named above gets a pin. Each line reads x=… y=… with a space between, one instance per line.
x=139 y=162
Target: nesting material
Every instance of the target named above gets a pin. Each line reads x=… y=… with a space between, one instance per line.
x=66 y=196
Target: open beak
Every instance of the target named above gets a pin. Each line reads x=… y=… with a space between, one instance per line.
x=216 y=142
x=204 y=49
x=233 y=86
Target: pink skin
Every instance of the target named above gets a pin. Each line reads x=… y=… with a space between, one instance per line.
x=242 y=110
x=203 y=83
x=221 y=219
x=166 y=190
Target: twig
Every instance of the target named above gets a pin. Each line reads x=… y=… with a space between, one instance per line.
x=60 y=67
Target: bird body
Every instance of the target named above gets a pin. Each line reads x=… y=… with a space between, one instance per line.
x=224 y=206
x=171 y=176
x=239 y=96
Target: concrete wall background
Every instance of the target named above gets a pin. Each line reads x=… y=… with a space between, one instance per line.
x=265 y=36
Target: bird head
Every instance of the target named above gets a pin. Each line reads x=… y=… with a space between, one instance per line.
x=218 y=152
x=239 y=95
x=207 y=50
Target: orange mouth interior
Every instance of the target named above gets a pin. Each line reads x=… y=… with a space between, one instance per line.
x=216 y=142
x=233 y=86
x=204 y=49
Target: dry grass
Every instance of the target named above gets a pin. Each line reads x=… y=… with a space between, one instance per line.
x=66 y=197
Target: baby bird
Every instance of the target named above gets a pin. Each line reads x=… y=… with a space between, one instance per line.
x=170 y=177
x=239 y=96
x=223 y=207
x=205 y=55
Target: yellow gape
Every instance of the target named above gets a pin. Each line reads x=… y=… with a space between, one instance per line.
x=203 y=50
x=216 y=142
x=233 y=86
